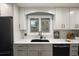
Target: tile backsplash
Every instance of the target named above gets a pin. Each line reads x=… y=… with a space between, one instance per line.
x=63 y=33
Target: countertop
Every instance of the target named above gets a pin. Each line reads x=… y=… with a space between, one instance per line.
x=52 y=41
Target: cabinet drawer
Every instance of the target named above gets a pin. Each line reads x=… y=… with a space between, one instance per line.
x=73 y=54
x=34 y=46
x=40 y=46
x=20 y=46
x=21 y=52
x=74 y=45
x=46 y=47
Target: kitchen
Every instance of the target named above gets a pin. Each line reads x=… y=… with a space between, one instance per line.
x=42 y=29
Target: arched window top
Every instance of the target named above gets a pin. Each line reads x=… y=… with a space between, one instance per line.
x=40 y=13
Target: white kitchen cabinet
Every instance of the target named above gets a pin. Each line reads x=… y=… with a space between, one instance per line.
x=73 y=49
x=20 y=50
x=40 y=50
x=23 y=19
x=61 y=18
x=6 y=9
x=74 y=18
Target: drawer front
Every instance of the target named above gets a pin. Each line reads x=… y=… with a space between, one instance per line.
x=74 y=54
x=74 y=50
x=33 y=46
x=46 y=47
x=21 y=52
x=23 y=47
x=40 y=47
x=74 y=45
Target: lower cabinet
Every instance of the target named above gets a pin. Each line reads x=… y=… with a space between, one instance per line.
x=20 y=50
x=45 y=49
x=33 y=50
x=40 y=50
x=74 y=50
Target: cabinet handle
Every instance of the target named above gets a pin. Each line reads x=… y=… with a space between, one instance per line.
x=76 y=25
x=19 y=26
x=39 y=53
x=74 y=50
x=19 y=50
x=62 y=25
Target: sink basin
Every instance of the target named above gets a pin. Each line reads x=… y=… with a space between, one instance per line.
x=39 y=40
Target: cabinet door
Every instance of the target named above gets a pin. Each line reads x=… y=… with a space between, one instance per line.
x=33 y=49
x=74 y=50
x=74 y=18
x=33 y=53
x=23 y=20
x=6 y=9
x=45 y=53
x=45 y=50
x=61 y=18
x=40 y=50
x=20 y=50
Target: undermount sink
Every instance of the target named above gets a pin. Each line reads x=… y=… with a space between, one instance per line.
x=39 y=40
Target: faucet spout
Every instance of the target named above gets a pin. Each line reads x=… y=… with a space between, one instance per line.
x=40 y=34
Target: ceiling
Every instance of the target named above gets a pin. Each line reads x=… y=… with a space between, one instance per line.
x=48 y=4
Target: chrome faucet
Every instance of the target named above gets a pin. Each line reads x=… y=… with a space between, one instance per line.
x=40 y=34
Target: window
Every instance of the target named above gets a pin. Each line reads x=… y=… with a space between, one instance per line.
x=39 y=23
x=34 y=22
x=45 y=24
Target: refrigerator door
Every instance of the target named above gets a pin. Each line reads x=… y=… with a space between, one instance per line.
x=5 y=53
x=6 y=34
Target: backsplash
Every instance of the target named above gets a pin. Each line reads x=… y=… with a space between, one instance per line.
x=25 y=35
x=63 y=33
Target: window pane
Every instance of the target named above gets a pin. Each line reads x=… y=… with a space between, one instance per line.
x=34 y=22
x=45 y=24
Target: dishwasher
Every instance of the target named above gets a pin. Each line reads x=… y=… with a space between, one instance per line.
x=61 y=49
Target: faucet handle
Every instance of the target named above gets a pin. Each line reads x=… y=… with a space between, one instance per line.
x=44 y=37
x=40 y=33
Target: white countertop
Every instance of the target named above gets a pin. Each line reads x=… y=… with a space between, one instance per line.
x=52 y=41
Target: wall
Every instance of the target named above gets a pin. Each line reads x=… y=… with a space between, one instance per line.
x=6 y=9
x=24 y=11
x=24 y=21
x=17 y=34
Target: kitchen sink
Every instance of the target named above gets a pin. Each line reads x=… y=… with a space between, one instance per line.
x=39 y=40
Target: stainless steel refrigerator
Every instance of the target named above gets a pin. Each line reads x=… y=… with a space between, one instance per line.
x=6 y=36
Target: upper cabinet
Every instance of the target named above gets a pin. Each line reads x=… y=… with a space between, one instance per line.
x=6 y=9
x=61 y=18
x=23 y=16
x=23 y=19
x=74 y=18
x=64 y=18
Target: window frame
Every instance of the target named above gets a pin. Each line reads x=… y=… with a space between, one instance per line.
x=40 y=16
x=30 y=25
